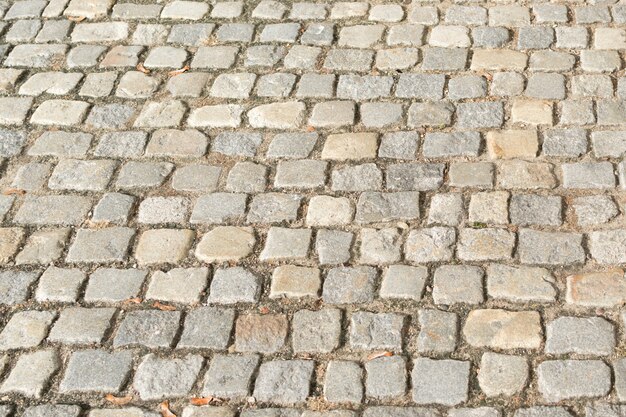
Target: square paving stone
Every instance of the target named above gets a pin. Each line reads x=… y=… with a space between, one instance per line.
x=78 y=325
x=295 y=281
x=15 y=286
x=345 y=285
x=230 y=376
x=100 y=245
x=25 y=329
x=157 y=378
x=110 y=285
x=343 y=382
x=178 y=285
x=59 y=284
x=234 y=285
x=207 y=328
x=386 y=377
x=96 y=371
x=149 y=328
x=369 y=331
x=458 y=284
x=283 y=243
x=163 y=246
x=261 y=333
x=502 y=374
x=443 y=381
x=403 y=282
x=438 y=331
x=31 y=374
x=316 y=331
x=284 y=382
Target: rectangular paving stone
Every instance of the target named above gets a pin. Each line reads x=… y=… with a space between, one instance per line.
x=207 y=327
x=284 y=382
x=555 y=379
x=236 y=203
x=96 y=371
x=158 y=378
x=100 y=245
x=110 y=285
x=229 y=376
x=150 y=328
x=440 y=381
x=53 y=210
x=31 y=374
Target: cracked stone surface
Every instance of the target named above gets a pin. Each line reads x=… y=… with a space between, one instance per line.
x=313 y=208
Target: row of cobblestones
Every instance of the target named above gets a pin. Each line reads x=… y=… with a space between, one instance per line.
x=312 y=208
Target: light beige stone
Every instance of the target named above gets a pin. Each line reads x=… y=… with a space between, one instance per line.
x=325 y=210
x=221 y=115
x=489 y=207
x=597 y=289
x=288 y=115
x=43 y=247
x=526 y=175
x=485 y=244
x=520 y=284
x=350 y=146
x=610 y=38
x=534 y=112
x=60 y=112
x=10 y=240
x=448 y=36
x=508 y=144
x=158 y=246
x=90 y=9
x=226 y=243
x=295 y=281
x=501 y=329
x=498 y=60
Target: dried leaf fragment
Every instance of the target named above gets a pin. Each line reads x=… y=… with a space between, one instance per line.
x=76 y=18
x=118 y=400
x=164 y=407
x=205 y=400
x=13 y=191
x=200 y=400
x=163 y=307
x=379 y=355
x=143 y=69
x=178 y=71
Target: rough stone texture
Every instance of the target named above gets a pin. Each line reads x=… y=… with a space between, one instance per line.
x=282 y=208
x=557 y=379
x=284 y=382
x=444 y=382
x=503 y=329
x=230 y=376
x=520 y=284
x=158 y=378
x=502 y=374
x=96 y=371
x=591 y=336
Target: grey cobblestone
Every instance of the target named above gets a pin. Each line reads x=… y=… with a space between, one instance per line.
x=107 y=371
x=312 y=208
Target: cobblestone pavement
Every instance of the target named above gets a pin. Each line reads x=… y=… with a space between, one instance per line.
x=322 y=209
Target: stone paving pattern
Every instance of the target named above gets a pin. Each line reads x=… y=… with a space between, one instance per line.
x=312 y=209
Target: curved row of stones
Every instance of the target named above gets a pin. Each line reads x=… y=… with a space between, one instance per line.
x=309 y=209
